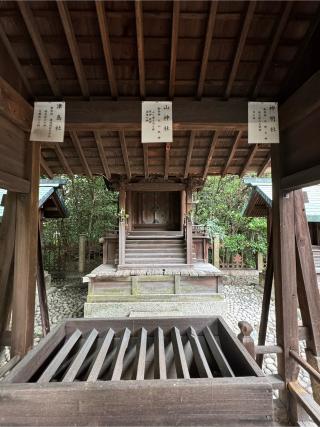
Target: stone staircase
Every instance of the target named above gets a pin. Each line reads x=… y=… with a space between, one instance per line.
x=155 y=248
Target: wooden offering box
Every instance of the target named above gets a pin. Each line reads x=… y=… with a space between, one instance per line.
x=155 y=371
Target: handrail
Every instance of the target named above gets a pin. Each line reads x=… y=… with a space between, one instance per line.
x=305 y=400
x=313 y=372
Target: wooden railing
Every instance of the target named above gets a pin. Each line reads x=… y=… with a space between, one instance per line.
x=302 y=397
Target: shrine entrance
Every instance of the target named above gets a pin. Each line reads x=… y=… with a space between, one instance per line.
x=156 y=210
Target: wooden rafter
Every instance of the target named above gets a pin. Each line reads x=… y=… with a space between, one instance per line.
x=253 y=152
x=272 y=47
x=102 y=155
x=146 y=160
x=301 y=51
x=232 y=152
x=32 y=27
x=207 y=46
x=167 y=161
x=174 y=46
x=189 y=155
x=241 y=44
x=73 y=46
x=15 y=60
x=125 y=153
x=46 y=167
x=79 y=150
x=140 y=46
x=63 y=160
x=104 y=32
x=210 y=154
x=265 y=165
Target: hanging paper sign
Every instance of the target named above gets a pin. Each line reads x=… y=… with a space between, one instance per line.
x=156 y=123
x=48 y=122
x=263 y=123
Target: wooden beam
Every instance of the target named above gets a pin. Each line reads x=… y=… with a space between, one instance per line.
x=98 y=363
x=104 y=32
x=125 y=154
x=117 y=364
x=167 y=161
x=253 y=152
x=7 y=239
x=179 y=355
x=140 y=46
x=42 y=52
x=305 y=400
x=14 y=107
x=73 y=45
x=102 y=155
x=198 y=354
x=42 y=292
x=141 y=351
x=232 y=152
x=205 y=115
x=145 y=160
x=160 y=369
x=174 y=46
x=210 y=154
x=62 y=159
x=301 y=179
x=241 y=45
x=301 y=52
x=300 y=104
x=308 y=291
x=207 y=46
x=154 y=186
x=189 y=155
x=265 y=165
x=14 y=183
x=15 y=60
x=25 y=260
x=266 y=301
x=272 y=47
x=285 y=279
x=46 y=167
x=82 y=157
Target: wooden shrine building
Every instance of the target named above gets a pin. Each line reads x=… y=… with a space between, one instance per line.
x=209 y=58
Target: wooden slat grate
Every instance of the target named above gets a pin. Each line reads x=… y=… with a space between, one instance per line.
x=160 y=353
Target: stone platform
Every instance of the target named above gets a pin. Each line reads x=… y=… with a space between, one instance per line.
x=154 y=291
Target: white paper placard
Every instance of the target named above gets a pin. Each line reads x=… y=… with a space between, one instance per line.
x=48 y=121
x=156 y=121
x=263 y=123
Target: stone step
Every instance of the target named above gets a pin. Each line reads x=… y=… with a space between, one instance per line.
x=155 y=255
x=149 y=242
x=162 y=261
x=154 y=236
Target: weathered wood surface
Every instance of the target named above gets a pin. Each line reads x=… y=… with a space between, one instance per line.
x=159 y=402
x=42 y=292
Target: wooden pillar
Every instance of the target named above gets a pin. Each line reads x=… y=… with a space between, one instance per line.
x=7 y=238
x=260 y=264
x=25 y=258
x=82 y=253
x=129 y=209
x=216 y=251
x=189 y=226
x=285 y=280
x=182 y=209
x=122 y=225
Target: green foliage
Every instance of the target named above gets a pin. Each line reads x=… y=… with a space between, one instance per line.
x=220 y=206
x=92 y=210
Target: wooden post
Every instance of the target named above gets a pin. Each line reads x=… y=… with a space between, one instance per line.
x=82 y=253
x=308 y=292
x=260 y=264
x=122 y=226
x=216 y=251
x=183 y=209
x=129 y=209
x=42 y=294
x=245 y=337
x=25 y=259
x=189 y=227
x=266 y=301
x=7 y=238
x=285 y=281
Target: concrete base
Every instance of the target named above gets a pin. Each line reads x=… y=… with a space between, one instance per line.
x=151 y=309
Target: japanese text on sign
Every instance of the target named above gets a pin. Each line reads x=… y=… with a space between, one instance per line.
x=263 y=123
x=156 y=121
x=48 y=122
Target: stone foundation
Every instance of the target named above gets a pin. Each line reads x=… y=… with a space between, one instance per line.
x=240 y=276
